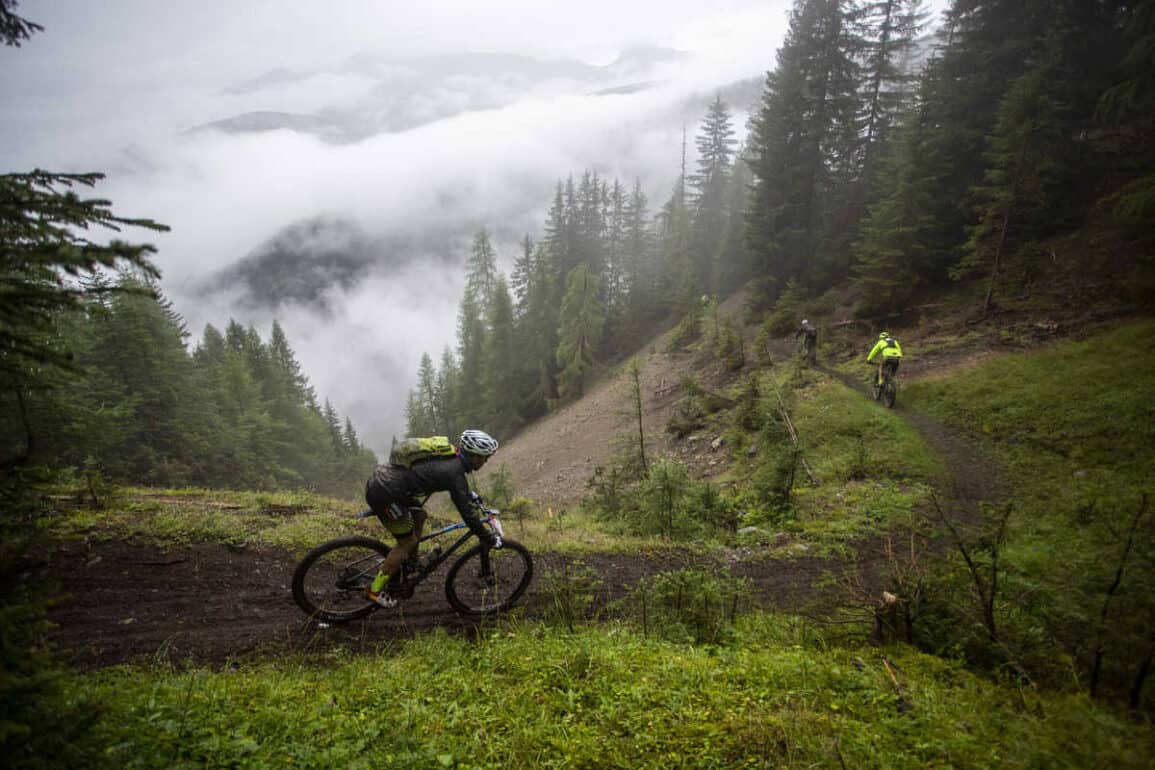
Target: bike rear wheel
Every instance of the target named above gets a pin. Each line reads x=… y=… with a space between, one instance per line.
x=331 y=582
x=889 y=392
x=486 y=580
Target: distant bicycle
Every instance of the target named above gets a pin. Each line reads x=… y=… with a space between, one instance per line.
x=331 y=582
x=808 y=350
x=887 y=390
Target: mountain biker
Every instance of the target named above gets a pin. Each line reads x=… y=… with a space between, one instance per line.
x=891 y=355
x=809 y=337
x=392 y=493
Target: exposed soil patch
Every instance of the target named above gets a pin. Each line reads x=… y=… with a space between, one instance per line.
x=209 y=604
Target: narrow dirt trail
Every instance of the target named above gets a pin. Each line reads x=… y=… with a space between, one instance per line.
x=207 y=604
x=973 y=476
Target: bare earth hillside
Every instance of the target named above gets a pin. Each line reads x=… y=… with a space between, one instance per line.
x=552 y=460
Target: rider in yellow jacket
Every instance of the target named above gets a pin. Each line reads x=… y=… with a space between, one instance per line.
x=890 y=351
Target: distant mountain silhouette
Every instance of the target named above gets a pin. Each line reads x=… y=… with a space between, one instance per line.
x=401 y=94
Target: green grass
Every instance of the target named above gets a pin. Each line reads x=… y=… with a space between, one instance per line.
x=872 y=470
x=297 y=521
x=533 y=697
x=1073 y=426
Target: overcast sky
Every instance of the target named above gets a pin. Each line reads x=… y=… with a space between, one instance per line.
x=115 y=86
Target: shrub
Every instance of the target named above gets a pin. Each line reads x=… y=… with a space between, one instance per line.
x=569 y=593
x=689 y=605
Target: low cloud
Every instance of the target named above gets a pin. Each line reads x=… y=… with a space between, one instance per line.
x=469 y=150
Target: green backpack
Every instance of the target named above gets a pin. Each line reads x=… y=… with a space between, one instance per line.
x=411 y=450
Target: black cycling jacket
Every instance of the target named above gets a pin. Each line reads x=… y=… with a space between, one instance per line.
x=447 y=474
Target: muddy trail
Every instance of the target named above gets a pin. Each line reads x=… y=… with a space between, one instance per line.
x=211 y=604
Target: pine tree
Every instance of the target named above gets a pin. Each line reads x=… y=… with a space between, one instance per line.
x=349 y=438
x=640 y=268
x=807 y=108
x=444 y=390
x=519 y=281
x=1126 y=131
x=424 y=404
x=715 y=143
x=14 y=29
x=537 y=337
x=481 y=270
x=503 y=363
x=734 y=266
x=470 y=355
x=43 y=225
x=580 y=332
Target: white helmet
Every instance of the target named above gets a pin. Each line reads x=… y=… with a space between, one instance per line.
x=477 y=442
x=804 y=322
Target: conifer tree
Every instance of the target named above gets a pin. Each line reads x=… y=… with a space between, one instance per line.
x=470 y=355
x=519 y=280
x=579 y=335
x=444 y=389
x=502 y=363
x=715 y=143
x=537 y=336
x=801 y=147
x=481 y=270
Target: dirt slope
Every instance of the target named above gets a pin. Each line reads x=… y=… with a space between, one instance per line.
x=552 y=460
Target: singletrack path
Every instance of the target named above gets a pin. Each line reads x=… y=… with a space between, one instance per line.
x=209 y=604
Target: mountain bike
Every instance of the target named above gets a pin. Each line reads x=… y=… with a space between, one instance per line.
x=331 y=582
x=808 y=350
x=887 y=390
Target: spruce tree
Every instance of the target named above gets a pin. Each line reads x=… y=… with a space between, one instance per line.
x=502 y=363
x=579 y=335
x=481 y=270
x=715 y=143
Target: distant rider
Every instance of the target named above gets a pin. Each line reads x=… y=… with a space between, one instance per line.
x=392 y=493
x=891 y=354
x=809 y=336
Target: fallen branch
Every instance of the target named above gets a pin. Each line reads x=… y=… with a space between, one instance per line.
x=793 y=435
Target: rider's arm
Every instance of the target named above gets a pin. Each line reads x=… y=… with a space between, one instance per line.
x=459 y=493
x=874 y=351
x=898 y=348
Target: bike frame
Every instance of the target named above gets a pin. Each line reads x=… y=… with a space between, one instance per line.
x=415 y=577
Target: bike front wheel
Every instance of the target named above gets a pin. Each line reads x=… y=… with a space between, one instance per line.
x=487 y=580
x=332 y=581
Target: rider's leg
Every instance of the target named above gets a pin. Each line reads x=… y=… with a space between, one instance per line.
x=405 y=523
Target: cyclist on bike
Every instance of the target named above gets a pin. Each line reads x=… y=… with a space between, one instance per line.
x=809 y=337
x=392 y=493
x=891 y=354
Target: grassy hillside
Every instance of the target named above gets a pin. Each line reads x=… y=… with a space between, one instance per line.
x=534 y=697
x=1069 y=427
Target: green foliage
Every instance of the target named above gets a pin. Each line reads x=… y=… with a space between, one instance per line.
x=787 y=313
x=550 y=698
x=694 y=606
x=664 y=501
x=1073 y=426
x=582 y=320
x=728 y=346
x=293 y=521
x=569 y=593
